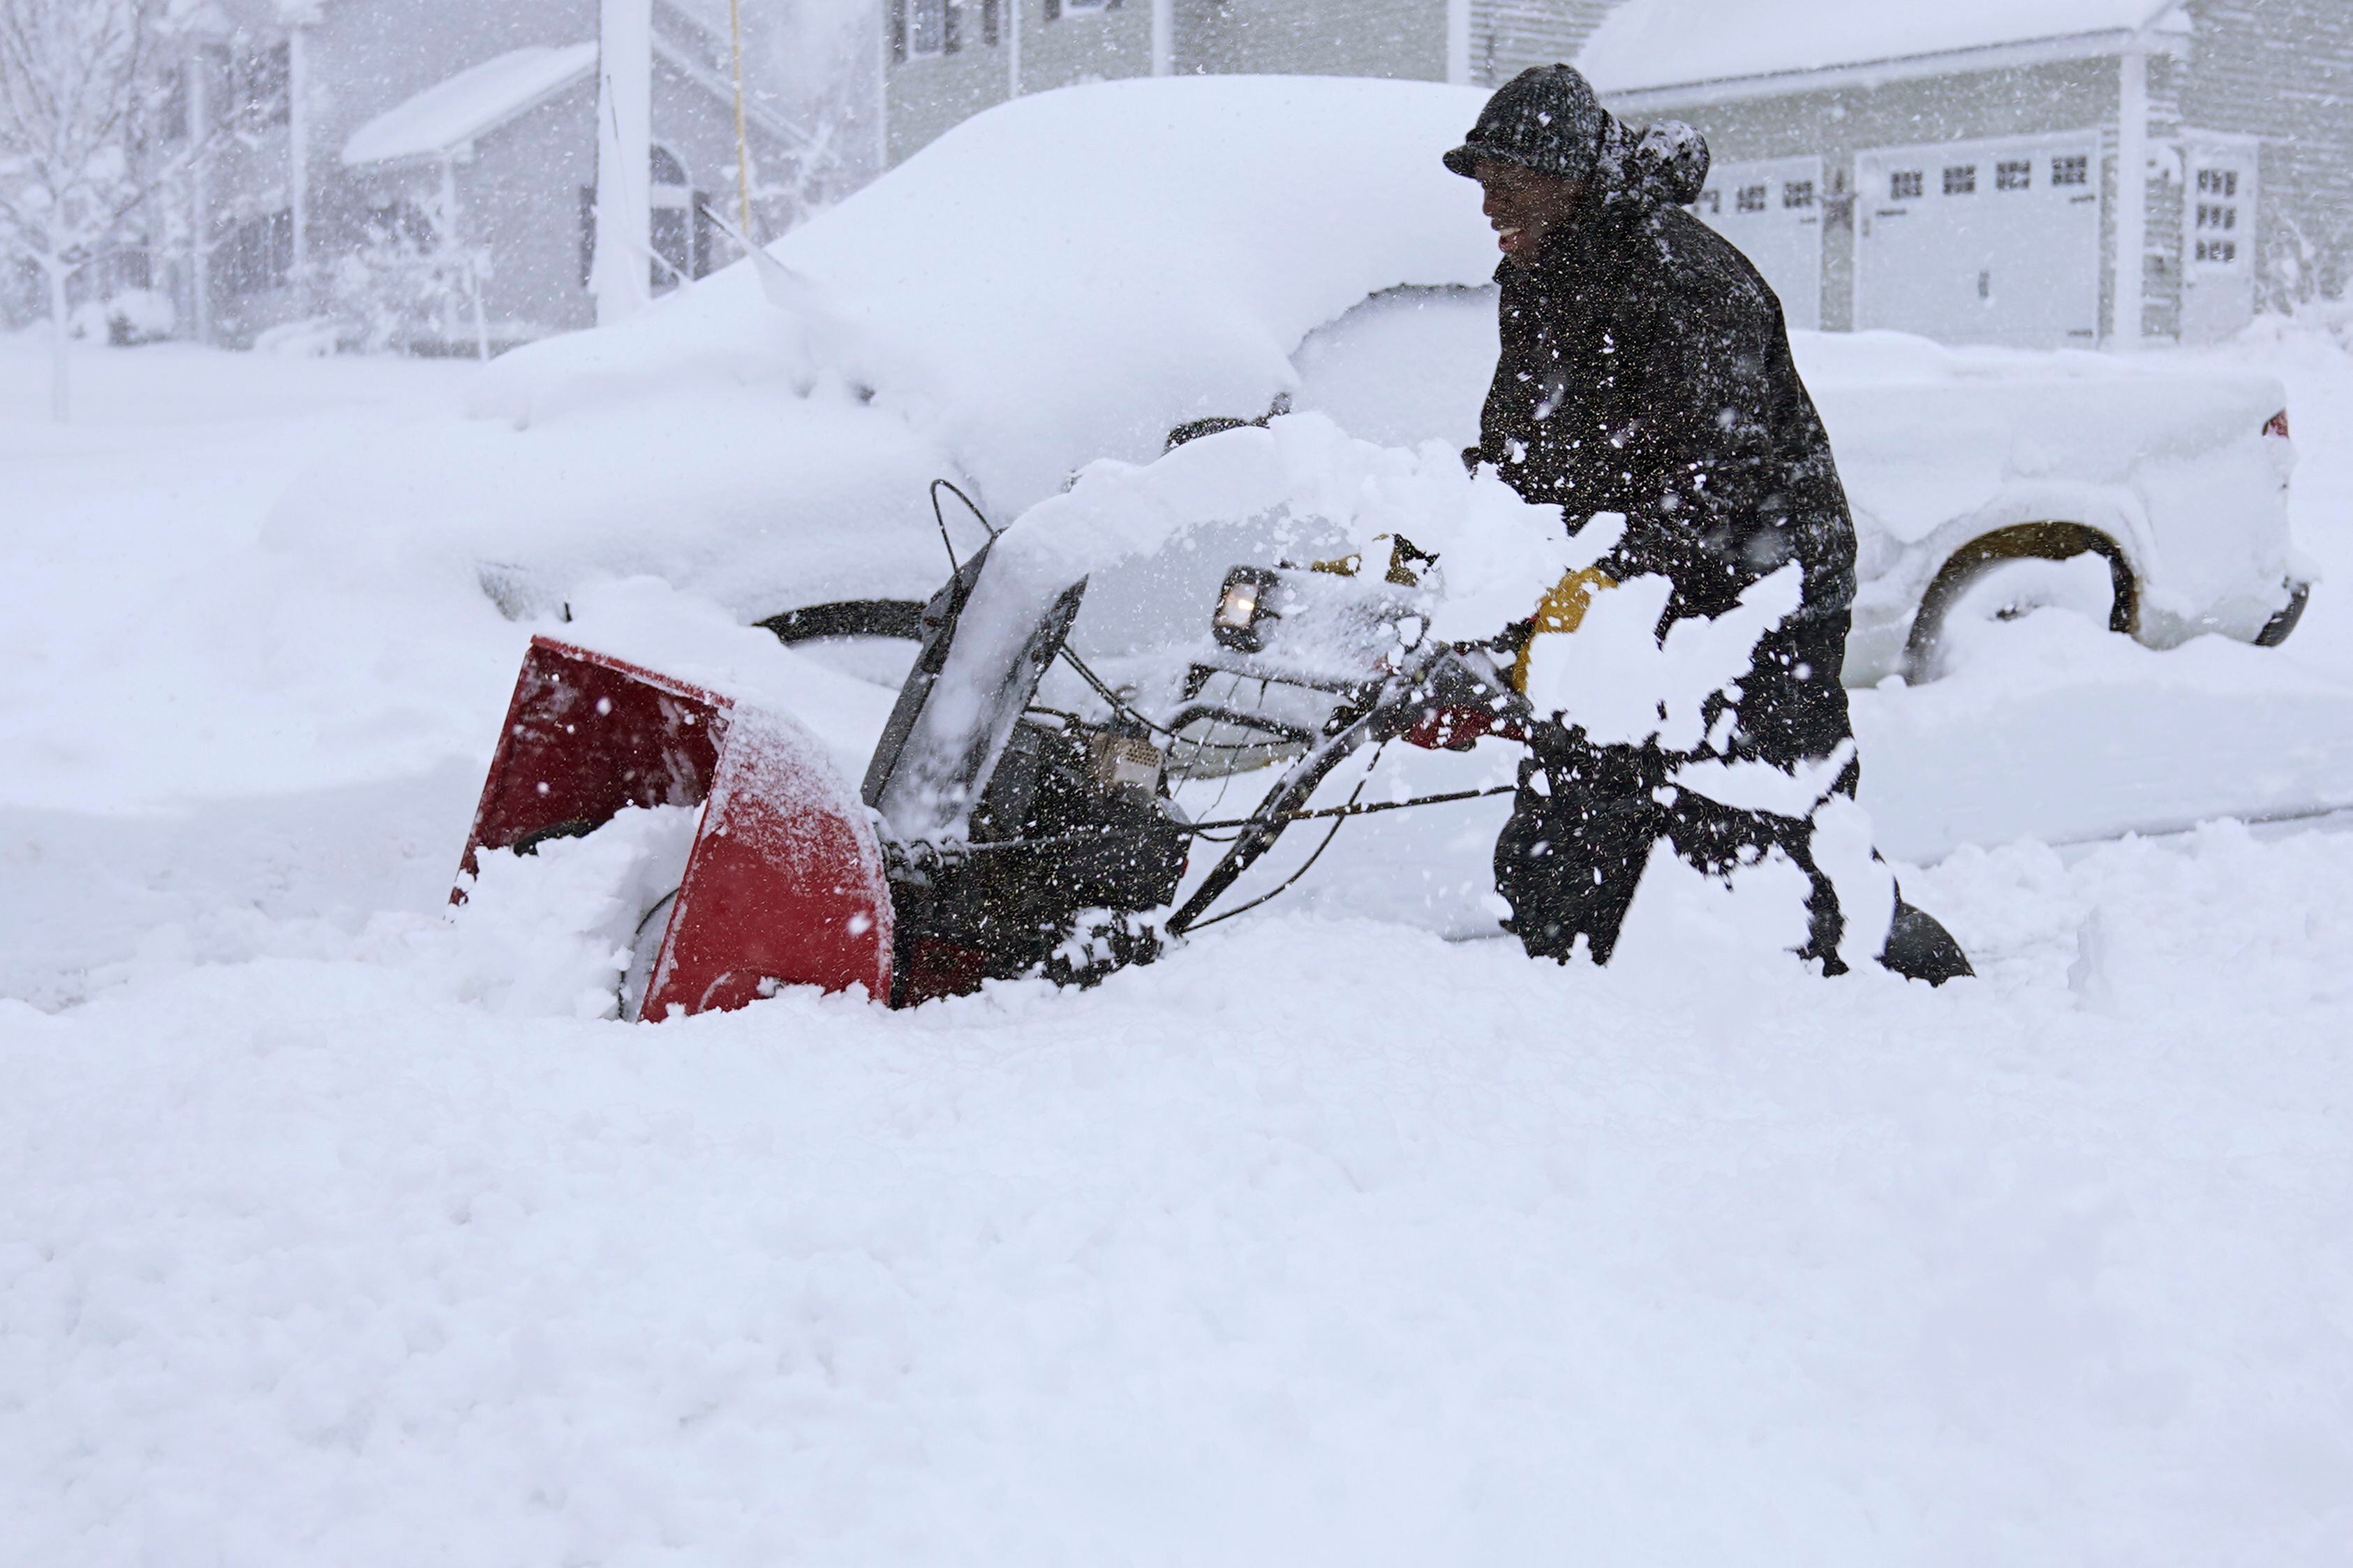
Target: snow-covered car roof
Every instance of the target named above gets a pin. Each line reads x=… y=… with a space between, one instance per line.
x=1070 y=275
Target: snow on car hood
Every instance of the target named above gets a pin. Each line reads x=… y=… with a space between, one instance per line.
x=1059 y=280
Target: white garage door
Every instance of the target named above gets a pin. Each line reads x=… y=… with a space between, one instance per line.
x=1981 y=242
x=1773 y=211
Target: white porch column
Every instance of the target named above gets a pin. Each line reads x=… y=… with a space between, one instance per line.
x=620 y=277
x=1012 y=49
x=198 y=66
x=298 y=157
x=1164 y=37
x=1457 y=42
x=2132 y=198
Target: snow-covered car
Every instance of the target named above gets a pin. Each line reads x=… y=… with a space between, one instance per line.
x=1089 y=274
x=1983 y=481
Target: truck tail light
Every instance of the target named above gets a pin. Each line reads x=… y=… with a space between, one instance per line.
x=2277 y=425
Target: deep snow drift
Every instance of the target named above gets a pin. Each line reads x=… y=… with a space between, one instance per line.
x=1318 y=1243
x=331 y=1233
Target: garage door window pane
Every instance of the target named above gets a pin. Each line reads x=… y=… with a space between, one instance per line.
x=1961 y=180
x=927 y=27
x=2074 y=171
x=1904 y=184
x=1797 y=194
x=1752 y=198
x=2013 y=175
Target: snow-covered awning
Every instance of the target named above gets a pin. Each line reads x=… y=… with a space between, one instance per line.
x=450 y=114
x=1647 y=45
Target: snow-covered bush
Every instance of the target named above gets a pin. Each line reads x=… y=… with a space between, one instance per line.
x=403 y=285
x=126 y=320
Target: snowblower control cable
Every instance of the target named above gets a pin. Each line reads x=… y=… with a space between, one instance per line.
x=1339 y=820
x=1202 y=829
x=939 y=517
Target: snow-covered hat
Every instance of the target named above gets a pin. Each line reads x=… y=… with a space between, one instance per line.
x=1547 y=118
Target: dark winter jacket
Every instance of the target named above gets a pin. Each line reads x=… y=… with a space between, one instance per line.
x=1645 y=371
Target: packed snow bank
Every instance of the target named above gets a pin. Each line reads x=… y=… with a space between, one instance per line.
x=1059 y=280
x=1319 y=1242
x=2054 y=728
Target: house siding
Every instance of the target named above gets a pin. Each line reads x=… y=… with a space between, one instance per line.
x=364 y=59
x=521 y=196
x=1397 y=38
x=1839 y=123
x=1507 y=37
x=1338 y=37
x=2283 y=70
x=930 y=94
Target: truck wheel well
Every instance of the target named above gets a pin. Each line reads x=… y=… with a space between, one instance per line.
x=2018 y=542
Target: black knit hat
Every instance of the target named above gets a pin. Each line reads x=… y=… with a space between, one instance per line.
x=1545 y=119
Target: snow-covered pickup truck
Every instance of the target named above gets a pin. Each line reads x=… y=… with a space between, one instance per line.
x=1984 y=482
x=1075 y=276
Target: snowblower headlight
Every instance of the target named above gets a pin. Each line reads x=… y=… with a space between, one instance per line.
x=1240 y=605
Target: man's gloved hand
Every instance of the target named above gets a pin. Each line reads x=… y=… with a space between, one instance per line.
x=1561 y=609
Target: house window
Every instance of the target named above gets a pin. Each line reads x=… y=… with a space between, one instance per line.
x=1711 y=202
x=670 y=228
x=677 y=228
x=404 y=224
x=1961 y=180
x=2013 y=175
x=1797 y=194
x=265 y=76
x=1079 y=8
x=1752 y=198
x=218 y=81
x=927 y=28
x=171 y=106
x=2074 y=171
x=258 y=254
x=2215 y=217
x=1904 y=185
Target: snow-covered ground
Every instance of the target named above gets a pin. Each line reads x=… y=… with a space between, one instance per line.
x=322 y=1240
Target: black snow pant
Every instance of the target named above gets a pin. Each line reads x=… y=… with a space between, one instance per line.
x=1587 y=816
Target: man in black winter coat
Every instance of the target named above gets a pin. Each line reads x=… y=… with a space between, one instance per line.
x=1645 y=371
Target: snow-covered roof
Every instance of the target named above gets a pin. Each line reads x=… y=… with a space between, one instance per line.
x=448 y=114
x=1651 y=44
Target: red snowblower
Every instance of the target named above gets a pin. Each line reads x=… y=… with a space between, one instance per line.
x=996 y=834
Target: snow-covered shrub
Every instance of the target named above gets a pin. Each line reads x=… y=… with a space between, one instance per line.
x=126 y=320
x=402 y=285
